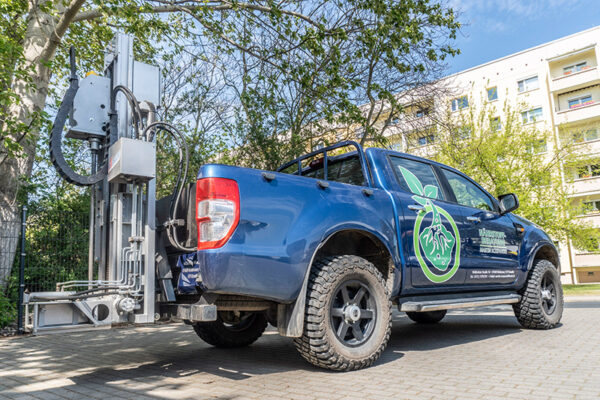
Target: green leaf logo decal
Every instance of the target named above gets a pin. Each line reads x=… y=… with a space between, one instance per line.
x=435 y=241
x=414 y=184
x=431 y=191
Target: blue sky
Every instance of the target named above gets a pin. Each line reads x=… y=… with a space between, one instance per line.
x=496 y=28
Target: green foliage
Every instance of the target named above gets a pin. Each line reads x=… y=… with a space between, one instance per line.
x=8 y=311
x=56 y=248
x=269 y=73
x=12 y=67
x=57 y=242
x=278 y=82
x=581 y=290
x=57 y=239
x=519 y=158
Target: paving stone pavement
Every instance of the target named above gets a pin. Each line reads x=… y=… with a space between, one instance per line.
x=472 y=354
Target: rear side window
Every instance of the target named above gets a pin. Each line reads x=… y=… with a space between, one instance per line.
x=417 y=177
x=350 y=172
x=347 y=170
x=467 y=193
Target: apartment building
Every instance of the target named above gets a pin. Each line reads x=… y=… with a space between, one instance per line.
x=560 y=83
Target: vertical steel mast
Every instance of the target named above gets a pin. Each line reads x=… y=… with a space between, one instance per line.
x=111 y=113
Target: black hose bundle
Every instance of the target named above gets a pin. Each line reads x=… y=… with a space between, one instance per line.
x=173 y=222
x=56 y=155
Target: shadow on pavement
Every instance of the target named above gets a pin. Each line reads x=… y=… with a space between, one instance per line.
x=455 y=329
x=582 y=304
x=145 y=361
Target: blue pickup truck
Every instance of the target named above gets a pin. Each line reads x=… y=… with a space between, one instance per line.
x=326 y=245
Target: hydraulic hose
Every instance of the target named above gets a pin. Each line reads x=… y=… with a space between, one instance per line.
x=181 y=178
x=56 y=154
x=135 y=106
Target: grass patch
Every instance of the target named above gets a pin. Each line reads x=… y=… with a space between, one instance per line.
x=581 y=290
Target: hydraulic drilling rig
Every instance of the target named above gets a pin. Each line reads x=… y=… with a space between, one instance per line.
x=116 y=114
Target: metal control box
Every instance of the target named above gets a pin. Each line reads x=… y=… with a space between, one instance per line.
x=89 y=116
x=146 y=82
x=131 y=160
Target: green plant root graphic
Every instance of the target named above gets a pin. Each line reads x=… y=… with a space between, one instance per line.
x=440 y=252
x=436 y=242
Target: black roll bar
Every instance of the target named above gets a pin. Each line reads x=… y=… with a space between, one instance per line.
x=359 y=150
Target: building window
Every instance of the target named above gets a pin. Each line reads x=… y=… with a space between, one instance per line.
x=586 y=135
x=495 y=124
x=581 y=101
x=575 y=68
x=460 y=103
x=394 y=121
x=492 y=93
x=587 y=171
x=425 y=140
x=532 y=115
x=591 y=207
x=528 y=84
x=422 y=112
x=537 y=147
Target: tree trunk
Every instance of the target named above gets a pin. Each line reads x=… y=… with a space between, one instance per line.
x=14 y=170
x=10 y=222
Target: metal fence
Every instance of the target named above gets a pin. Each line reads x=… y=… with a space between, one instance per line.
x=56 y=250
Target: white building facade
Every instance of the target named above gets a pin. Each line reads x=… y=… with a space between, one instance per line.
x=560 y=82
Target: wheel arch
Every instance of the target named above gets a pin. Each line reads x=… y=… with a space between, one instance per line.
x=344 y=241
x=363 y=244
x=544 y=251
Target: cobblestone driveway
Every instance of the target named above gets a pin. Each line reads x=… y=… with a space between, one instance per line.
x=472 y=354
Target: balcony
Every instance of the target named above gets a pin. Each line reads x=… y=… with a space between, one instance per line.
x=575 y=80
x=586 y=260
x=584 y=186
x=592 y=218
x=584 y=112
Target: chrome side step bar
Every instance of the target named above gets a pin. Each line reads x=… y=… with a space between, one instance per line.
x=414 y=304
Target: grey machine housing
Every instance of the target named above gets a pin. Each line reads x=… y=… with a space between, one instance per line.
x=128 y=161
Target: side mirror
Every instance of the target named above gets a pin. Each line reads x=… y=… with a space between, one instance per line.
x=508 y=202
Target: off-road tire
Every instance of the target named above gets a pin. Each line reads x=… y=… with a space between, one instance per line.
x=530 y=311
x=219 y=334
x=427 y=317
x=319 y=343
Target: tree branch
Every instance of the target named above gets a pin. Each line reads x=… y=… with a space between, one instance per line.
x=224 y=6
x=61 y=27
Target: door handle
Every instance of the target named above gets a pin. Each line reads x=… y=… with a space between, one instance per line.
x=475 y=220
x=416 y=208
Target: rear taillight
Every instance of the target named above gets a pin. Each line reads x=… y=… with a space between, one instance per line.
x=217 y=211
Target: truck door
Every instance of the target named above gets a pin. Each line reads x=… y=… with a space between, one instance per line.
x=431 y=226
x=491 y=241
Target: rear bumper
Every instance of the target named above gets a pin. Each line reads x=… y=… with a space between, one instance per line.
x=243 y=270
